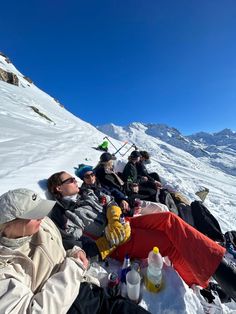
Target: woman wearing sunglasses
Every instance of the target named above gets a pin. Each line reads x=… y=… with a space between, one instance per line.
x=195 y=257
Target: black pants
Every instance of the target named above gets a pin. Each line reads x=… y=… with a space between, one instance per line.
x=155 y=176
x=198 y=216
x=146 y=194
x=93 y=300
x=147 y=191
x=225 y=275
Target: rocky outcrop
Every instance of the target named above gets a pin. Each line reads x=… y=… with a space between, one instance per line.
x=28 y=79
x=9 y=77
x=41 y=114
x=6 y=58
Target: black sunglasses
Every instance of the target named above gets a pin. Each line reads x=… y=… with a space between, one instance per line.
x=87 y=176
x=69 y=180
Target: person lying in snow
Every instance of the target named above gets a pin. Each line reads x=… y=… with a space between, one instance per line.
x=129 y=205
x=194 y=256
x=111 y=180
x=130 y=177
x=143 y=173
x=36 y=274
x=140 y=207
x=103 y=146
x=121 y=198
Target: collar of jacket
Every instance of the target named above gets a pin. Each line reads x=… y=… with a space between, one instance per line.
x=14 y=243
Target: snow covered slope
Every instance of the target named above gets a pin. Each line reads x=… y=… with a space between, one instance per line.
x=39 y=137
x=217 y=149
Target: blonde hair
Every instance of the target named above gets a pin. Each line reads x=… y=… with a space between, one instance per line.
x=108 y=165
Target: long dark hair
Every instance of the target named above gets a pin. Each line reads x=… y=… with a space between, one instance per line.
x=53 y=182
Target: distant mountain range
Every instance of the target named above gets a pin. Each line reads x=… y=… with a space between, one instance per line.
x=218 y=149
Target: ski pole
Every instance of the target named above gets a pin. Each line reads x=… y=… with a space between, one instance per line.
x=118 y=150
x=105 y=137
x=133 y=145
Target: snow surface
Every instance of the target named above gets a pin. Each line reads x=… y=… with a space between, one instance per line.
x=32 y=148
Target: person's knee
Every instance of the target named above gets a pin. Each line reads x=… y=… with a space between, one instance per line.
x=170 y=216
x=172 y=220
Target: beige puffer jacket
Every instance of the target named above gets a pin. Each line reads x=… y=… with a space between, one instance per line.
x=38 y=277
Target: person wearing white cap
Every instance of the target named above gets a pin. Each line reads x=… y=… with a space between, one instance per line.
x=36 y=274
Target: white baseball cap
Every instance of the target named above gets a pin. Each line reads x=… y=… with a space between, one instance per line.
x=23 y=203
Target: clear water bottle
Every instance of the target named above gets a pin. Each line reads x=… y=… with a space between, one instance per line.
x=153 y=279
x=126 y=267
x=122 y=219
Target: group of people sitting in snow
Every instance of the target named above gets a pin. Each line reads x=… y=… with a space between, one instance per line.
x=43 y=265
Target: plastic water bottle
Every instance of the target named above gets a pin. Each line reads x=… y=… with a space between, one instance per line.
x=153 y=279
x=122 y=219
x=126 y=267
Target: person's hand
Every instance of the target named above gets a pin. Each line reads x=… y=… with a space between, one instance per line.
x=125 y=206
x=117 y=234
x=137 y=211
x=145 y=179
x=158 y=184
x=137 y=206
x=81 y=255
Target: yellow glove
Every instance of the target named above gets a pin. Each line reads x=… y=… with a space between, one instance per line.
x=118 y=234
x=127 y=232
x=115 y=235
x=114 y=231
x=104 y=247
x=113 y=214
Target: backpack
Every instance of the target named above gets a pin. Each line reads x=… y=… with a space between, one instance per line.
x=165 y=197
x=185 y=212
x=179 y=198
x=205 y=222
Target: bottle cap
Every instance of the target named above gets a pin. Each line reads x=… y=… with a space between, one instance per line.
x=155 y=250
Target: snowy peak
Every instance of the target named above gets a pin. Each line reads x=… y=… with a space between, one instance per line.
x=138 y=126
x=224 y=138
x=164 y=132
x=217 y=149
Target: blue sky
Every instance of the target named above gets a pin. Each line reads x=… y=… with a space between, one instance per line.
x=122 y=61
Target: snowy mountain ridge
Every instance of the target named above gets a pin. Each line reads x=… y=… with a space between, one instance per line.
x=217 y=149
